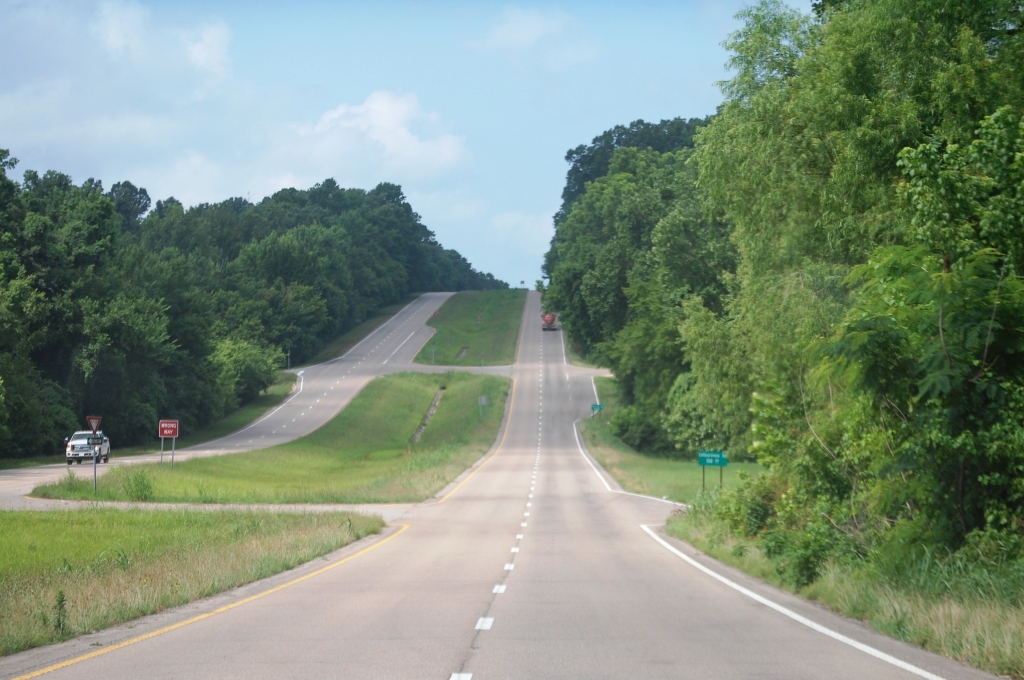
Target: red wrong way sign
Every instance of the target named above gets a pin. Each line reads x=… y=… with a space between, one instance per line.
x=94 y=422
x=169 y=428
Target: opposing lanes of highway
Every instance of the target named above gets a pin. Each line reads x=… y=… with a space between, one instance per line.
x=321 y=392
x=533 y=564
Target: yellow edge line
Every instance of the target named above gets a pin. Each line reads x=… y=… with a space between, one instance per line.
x=489 y=458
x=194 y=619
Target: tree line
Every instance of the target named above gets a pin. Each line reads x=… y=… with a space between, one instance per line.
x=825 y=277
x=110 y=307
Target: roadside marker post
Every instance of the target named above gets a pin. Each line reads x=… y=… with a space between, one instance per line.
x=482 y=401
x=94 y=425
x=708 y=459
x=168 y=429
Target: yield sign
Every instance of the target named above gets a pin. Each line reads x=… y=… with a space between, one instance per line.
x=94 y=422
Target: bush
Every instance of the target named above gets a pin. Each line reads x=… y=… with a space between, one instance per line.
x=137 y=486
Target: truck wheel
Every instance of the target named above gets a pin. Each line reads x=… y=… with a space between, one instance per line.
x=69 y=461
x=106 y=458
x=79 y=461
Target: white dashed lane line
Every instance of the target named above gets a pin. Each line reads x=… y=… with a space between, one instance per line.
x=484 y=623
x=498 y=589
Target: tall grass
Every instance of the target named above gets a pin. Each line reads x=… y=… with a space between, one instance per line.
x=362 y=455
x=475 y=327
x=678 y=480
x=63 y=573
x=968 y=606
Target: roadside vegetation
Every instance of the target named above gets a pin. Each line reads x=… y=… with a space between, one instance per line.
x=350 y=339
x=826 y=277
x=363 y=455
x=64 y=573
x=663 y=475
x=277 y=392
x=113 y=306
x=968 y=606
x=476 y=328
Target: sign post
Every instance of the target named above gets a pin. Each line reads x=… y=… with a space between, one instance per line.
x=94 y=425
x=168 y=428
x=708 y=459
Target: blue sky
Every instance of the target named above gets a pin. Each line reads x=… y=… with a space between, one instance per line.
x=469 y=106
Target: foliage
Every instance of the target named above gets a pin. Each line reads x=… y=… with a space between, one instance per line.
x=185 y=313
x=847 y=304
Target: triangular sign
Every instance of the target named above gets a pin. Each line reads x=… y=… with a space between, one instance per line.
x=94 y=422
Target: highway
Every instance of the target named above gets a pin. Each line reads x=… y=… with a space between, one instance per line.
x=321 y=392
x=533 y=564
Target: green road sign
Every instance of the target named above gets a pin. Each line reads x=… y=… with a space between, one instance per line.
x=597 y=407
x=712 y=458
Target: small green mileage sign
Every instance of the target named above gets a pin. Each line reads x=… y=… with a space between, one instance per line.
x=712 y=458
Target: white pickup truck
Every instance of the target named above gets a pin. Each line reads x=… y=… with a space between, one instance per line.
x=83 y=445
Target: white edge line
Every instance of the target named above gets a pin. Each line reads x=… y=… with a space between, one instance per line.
x=579 y=446
x=604 y=481
x=564 y=362
x=593 y=384
x=860 y=646
x=399 y=347
x=352 y=349
x=302 y=380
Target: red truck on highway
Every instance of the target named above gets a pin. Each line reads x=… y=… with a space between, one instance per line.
x=549 y=322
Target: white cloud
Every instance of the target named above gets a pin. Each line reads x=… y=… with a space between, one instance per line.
x=375 y=138
x=524 y=28
x=120 y=26
x=210 y=51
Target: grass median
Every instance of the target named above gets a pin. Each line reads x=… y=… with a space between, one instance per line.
x=64 y=573
x=476 y=328
x=363 y=455
x=652 y=475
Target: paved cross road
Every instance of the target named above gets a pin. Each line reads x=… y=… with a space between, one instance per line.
x=534 y=564
x=321 y=392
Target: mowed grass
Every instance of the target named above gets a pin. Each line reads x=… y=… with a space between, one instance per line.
x=483 y=323
x=363 y=455
x=63 y=573
x=677 y=480
x=235 y=420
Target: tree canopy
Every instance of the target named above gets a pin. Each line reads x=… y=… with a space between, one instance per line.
x=111 y=308
x=829 y=282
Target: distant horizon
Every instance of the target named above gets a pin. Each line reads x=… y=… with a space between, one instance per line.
x=469 y=108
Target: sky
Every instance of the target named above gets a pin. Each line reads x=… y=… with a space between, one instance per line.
x=470 y=107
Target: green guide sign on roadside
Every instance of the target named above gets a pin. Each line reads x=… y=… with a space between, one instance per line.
x=597 y=407
x=708 y=459
x=712 y=458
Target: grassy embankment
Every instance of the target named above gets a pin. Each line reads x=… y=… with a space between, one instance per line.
x=476 y=328
x=970 y=609
x=347 y=341
x=678 y=480
x=363 y=455
x=238 y=418
x=246 y=413
x=68 y=572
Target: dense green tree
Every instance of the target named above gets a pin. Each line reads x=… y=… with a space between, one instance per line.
x=185 y=313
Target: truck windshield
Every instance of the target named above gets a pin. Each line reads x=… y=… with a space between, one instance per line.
x=80 y=437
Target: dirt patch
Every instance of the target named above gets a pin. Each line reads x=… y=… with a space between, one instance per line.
x=462 y=353
x=426 y=419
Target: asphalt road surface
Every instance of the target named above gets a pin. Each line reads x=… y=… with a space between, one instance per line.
x=534 y=564
x=321 y=392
